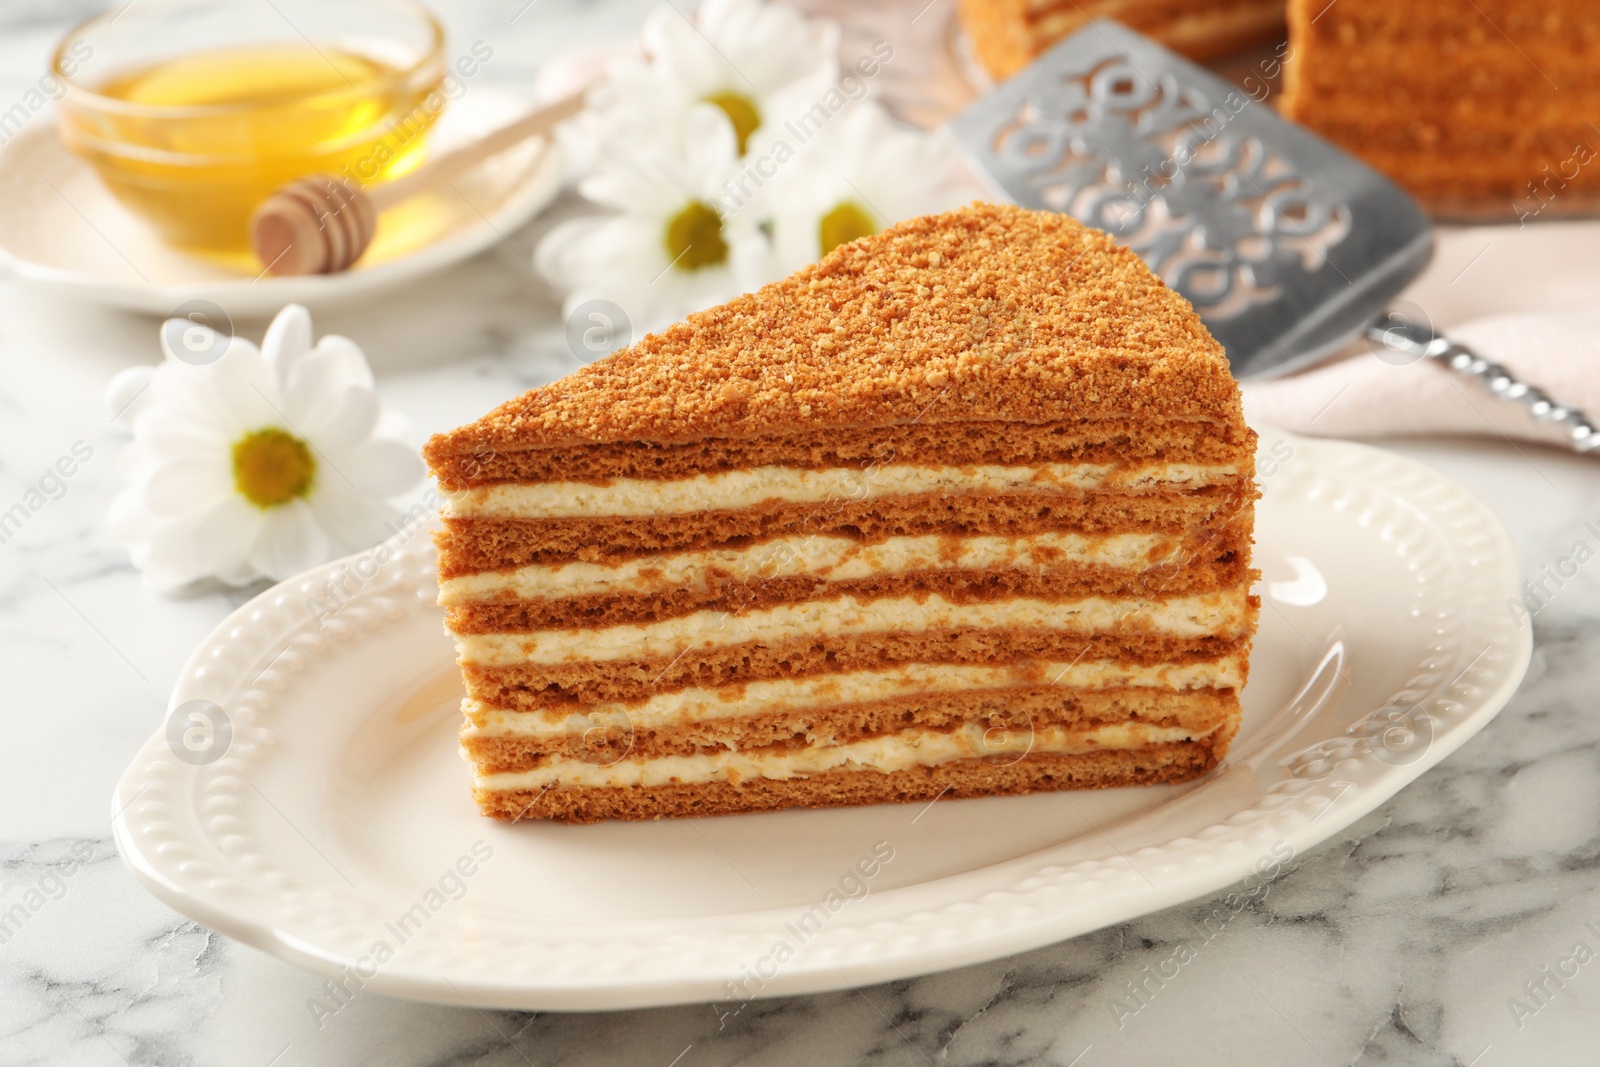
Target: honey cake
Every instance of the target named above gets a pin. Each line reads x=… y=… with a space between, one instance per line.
x=1476 y=107
x=1007 y=35
x=963 y=509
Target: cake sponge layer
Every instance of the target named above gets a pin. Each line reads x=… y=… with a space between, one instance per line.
x=604 y=739
x=1033 y=773
x=819 y=557
x=1063 y=584
x=740 y=489
x=531 y=686
x=1224 y=612
x=470 y=546
x=925 y=681
x=1112 y=440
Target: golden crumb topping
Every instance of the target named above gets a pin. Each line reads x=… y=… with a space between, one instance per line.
x=987 y=312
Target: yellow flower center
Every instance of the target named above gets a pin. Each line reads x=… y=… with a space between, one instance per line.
x=741 y=111
x=846 y=222
x=272 y=467
x=694 y=237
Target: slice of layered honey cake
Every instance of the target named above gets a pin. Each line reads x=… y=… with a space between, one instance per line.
x=963 y=509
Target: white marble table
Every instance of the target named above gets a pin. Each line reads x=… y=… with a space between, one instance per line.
x=1406 y=939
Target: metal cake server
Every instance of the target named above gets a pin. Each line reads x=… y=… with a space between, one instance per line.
x=1288 y=247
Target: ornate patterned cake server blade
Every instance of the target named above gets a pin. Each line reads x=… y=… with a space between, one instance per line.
x=1288 y=247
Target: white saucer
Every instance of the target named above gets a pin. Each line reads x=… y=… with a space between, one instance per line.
x=63 y=229
x=335 y=827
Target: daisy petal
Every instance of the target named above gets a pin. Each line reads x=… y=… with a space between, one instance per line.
x=341 y=419
x=353 y=522
x=137 y=463
x=188 y=486
x=287 y=341
x=335 y=365
x=130 y=520
x=712 y=144
x=186 y=551
x=129 y=393
x=291 y=541
x=248 y=389
x=180 y=438
x=241 y=573
x=673 y=40
x=193 y=391
x=190 y=343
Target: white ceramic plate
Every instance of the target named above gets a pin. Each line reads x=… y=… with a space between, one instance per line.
x=328 y=829
x=62 y=228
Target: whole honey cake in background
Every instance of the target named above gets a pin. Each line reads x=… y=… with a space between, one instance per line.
x=963 y=509
x=1008 y=34
x=1474 y=106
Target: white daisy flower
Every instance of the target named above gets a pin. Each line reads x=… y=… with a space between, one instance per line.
x=751 y=61
x=260 y=463
x=669 y=249
x=860 y=173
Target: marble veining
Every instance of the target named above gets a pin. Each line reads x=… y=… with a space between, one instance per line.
x=1458 y=924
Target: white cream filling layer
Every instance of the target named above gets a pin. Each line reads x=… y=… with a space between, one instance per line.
x=733 y=490
x=835 y=559
x=833 y=690
x=1206 y=614
x=896 y=752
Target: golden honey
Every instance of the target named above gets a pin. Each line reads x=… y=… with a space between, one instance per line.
x=193 y=143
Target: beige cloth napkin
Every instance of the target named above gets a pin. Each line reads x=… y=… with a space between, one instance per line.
x=1360 y=395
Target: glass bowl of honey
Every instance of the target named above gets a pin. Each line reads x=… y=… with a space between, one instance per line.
x=193 y=112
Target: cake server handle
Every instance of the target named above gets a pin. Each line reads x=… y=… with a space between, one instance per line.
x=1415 y=339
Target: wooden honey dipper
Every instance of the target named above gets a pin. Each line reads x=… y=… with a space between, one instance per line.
x=321 y=224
